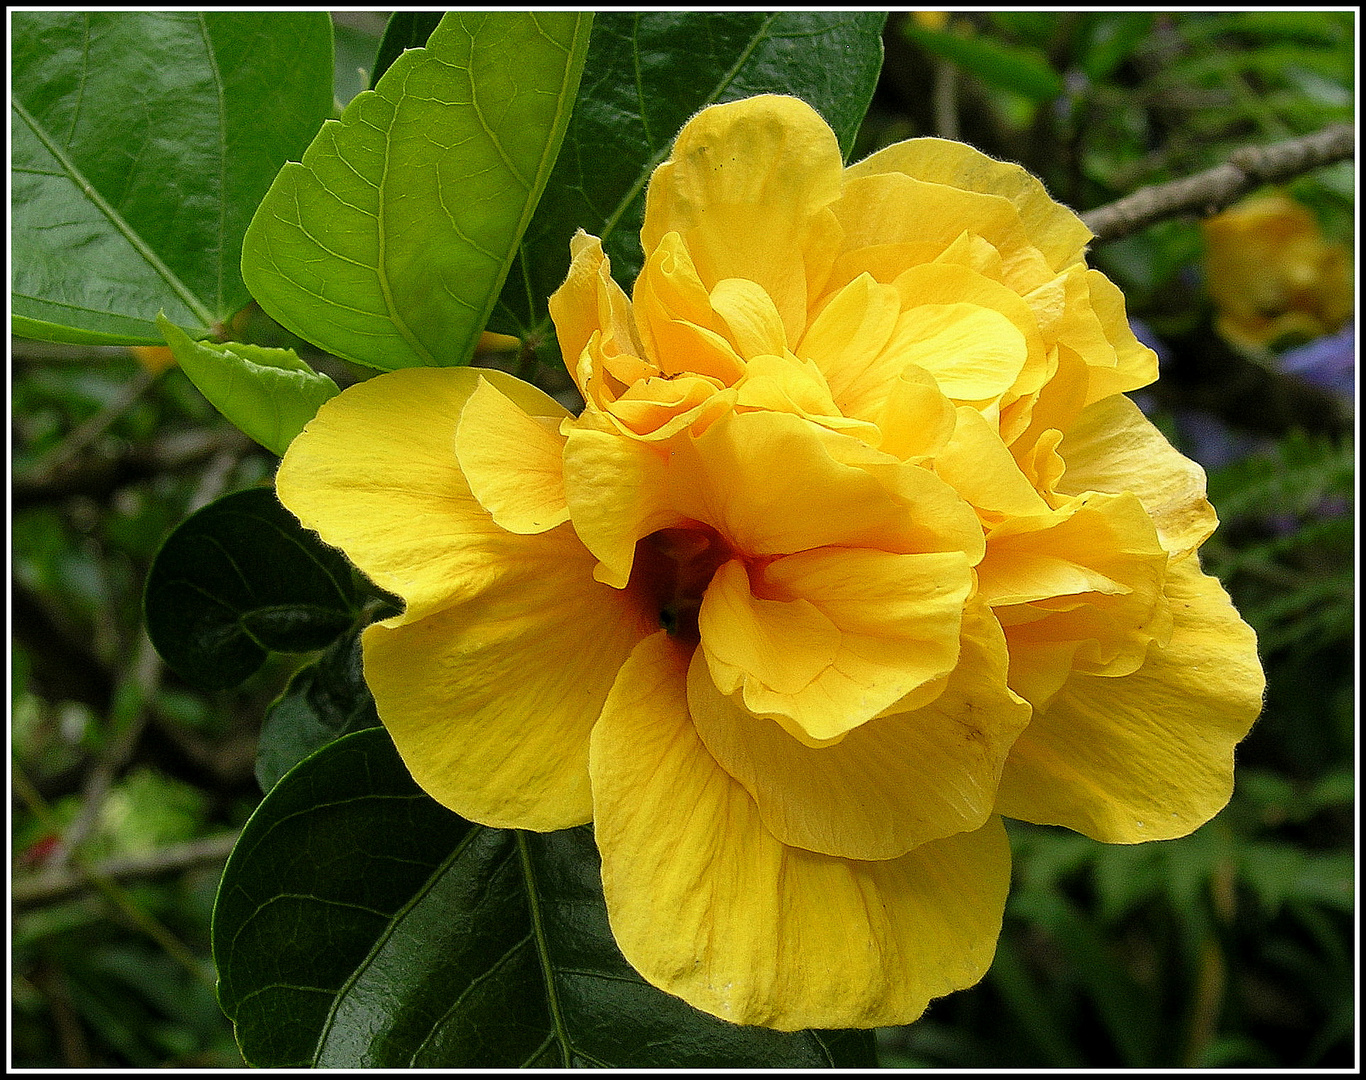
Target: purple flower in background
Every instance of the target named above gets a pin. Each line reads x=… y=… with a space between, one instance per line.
x=1143 y=398
x=1329 y=362
x=1148 y=336
x=1200 y=434
x=1213 y=443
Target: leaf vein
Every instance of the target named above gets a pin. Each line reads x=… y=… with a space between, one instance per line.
x=76 y=177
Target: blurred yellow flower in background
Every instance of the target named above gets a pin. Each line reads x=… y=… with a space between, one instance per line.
x=855 y=547
x=154 y=358
x=1273 y=276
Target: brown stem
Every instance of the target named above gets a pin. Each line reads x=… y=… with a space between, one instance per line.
x=58 y=883
x=1211 y=191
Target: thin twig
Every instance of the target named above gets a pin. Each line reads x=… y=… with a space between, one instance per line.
x=945 y=99
x=114 y=893
x=128 y=716
x=83 y=435
x=1211 y=191
x=59 y=883
x=96 y=476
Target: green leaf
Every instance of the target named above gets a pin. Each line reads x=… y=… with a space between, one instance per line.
x=1041 y=1023
x=404 y=30
x=269 y=393
x=1125 y=1008
x=240 y=579
x=1110 y=38
x=389 y=243
x=646 y=74
x=1278 y=873
x=1018 y=68
x=1291 y=477
x=323 y=701
x=361 y=925
x=142 y=143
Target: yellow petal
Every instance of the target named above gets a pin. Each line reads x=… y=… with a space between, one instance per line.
x=590 y=302
x=1053 y=410
x=838 y=635
x=1091 y=572
x=776 y=484
x=743 y=183
x=973 y=352
x=375 y=474
x=975 y=335
x=782 y=383
x=882 y=262
x=780 y=644
x=947 y=285
x=1146 y=756
x=978 y=466
x=755 y=327
x=1070 y=319
x=604 y=372
x=889 y=785
x=617 y=492
x=680 y=330
x=851 y=331
x=490 y=701
x=917 y=420
x=1052 y=228
x=1113 y=447
x=655 y=408
x=706 y=904
x=1136 y=364
x=512 y=461
x=765 y=150
x=891 y=207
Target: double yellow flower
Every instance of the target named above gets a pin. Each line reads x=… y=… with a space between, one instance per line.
x=856 y=547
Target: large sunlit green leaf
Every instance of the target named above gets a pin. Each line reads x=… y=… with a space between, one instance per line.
x=268 y=393
x=142 y=143
x=404 y=30
x=647 y=73
x=238 y=580
x=361 y=925
x=388 y=244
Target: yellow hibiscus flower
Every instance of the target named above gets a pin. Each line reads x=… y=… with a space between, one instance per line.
x=1273 y=276
x=855 y=547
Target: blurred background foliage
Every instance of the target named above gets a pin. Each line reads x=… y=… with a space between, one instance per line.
x=1232 y=947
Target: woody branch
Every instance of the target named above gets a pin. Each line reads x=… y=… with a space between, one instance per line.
x=1211 y=191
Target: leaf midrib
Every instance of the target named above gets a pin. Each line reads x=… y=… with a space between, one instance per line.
x=729 y=77
x=609 y=224
x=564 y=109
x=221 y=96
x=558 y=1027
x=115 y=219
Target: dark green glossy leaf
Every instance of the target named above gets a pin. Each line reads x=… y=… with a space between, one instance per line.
x=323 y=701
x=240 y=579
x=1019 y=68
x=360 y=925
x=404 y=30
x=268 y=393
x=143 y=142
x=646 y=74
x=388 y=244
